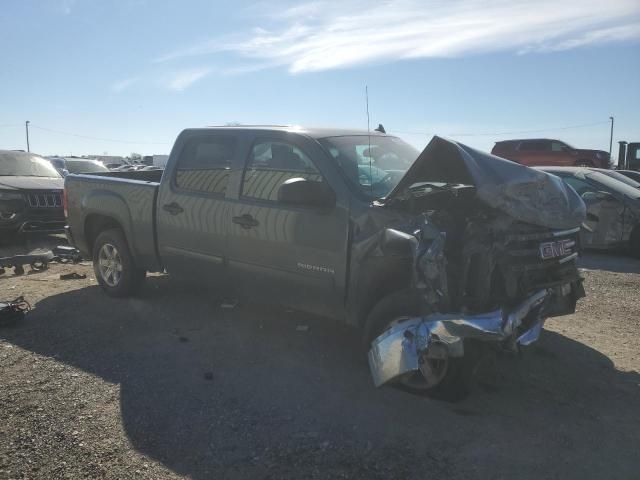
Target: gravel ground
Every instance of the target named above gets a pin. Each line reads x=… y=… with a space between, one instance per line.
x=170 y=385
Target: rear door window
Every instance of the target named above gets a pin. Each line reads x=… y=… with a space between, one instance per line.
x=205 y=164
x=535 y=146
x=270 y=164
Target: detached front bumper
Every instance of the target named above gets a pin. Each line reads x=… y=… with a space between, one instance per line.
x=402 y=347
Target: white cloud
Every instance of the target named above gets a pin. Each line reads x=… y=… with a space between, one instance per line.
x=628 y=32
x=183 y=79
x=121 y=85
x=312 y=36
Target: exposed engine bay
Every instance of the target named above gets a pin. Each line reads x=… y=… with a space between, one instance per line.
x=471 y=258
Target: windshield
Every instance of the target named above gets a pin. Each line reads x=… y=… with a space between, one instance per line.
x=85 y=166
x=373 y=165
x=13 y=164
x=614 y=184
x=620 y=177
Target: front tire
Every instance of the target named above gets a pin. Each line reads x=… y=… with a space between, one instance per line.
x=114 y=266
x=441 y=377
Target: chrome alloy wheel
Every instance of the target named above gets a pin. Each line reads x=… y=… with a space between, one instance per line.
x=434 y=364
x=110 y=265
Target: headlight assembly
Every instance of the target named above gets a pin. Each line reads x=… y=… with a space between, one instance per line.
x=6 y=195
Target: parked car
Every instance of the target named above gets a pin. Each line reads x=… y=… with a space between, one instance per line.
x=125 y=168
x=618 y=176
x=613 y=208
x=549 y=152
x=30 y=195
x=632 y=174
x=65 y=166
x=431 y=255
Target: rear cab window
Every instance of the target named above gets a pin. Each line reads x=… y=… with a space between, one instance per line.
x=204 y=165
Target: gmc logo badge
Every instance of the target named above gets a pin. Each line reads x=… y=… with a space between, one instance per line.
x=556 y=249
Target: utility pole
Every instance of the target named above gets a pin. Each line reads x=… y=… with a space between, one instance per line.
x=26 y=126
x=611 y=137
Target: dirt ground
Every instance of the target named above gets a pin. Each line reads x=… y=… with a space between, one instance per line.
x=170 y=385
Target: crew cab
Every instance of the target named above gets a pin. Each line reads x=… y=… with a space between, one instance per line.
x=431 y=254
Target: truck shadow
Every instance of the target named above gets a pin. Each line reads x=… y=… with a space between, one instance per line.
x=258 y=391
x=609 y=261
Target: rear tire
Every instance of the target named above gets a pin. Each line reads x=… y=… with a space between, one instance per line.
x=114 y=266
x=456 y=377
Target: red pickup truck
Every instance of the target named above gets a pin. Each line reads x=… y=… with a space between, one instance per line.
x=544 y=152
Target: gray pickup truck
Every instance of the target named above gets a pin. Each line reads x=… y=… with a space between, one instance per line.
x=434 y=255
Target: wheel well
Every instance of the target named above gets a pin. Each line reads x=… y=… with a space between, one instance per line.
x=385 y=283
x=95 y=224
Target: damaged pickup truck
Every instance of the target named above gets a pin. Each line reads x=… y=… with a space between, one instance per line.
x=434 y=255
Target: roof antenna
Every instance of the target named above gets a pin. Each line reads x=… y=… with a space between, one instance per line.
x=380 y=129
x=366 y=94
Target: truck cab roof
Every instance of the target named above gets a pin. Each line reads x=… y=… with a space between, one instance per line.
x=312 y=132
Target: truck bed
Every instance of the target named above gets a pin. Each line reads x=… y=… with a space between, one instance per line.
x=144 y=175
x=128 y=198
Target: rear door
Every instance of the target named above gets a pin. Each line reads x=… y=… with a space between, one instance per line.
x=192 y=212
x=535 y=153
x=289 y=254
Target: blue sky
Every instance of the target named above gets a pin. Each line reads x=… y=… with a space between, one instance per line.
x=131 y=74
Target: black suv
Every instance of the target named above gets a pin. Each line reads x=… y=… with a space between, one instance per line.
x=30 y=195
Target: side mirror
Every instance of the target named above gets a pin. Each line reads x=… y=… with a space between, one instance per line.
x=64 y=172
x=306 y=193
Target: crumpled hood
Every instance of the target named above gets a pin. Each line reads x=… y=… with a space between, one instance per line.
x=31 y=183
x=529 y=195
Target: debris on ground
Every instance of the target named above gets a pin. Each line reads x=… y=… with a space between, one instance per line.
x=13 y=311
x=73 y=276
x=40 y=261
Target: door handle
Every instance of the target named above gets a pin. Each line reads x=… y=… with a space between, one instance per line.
x=245 y=221
x=173 y=208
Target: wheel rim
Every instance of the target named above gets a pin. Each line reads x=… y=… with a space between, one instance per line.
x=433 y=365
x=110 y=264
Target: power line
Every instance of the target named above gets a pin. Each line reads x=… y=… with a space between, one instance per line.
x=515 y=132
x=87 y=137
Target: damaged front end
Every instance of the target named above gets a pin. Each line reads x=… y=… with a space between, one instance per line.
x=494 y=255
x=407 y=345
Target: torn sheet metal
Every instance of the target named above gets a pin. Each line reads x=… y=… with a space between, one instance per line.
x=529 y=195
x=398 y=350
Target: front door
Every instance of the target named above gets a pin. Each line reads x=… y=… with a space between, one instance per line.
x=288 y=254
x=193 y=214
